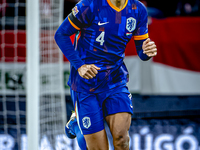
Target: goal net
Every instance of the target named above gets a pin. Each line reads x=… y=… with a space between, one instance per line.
x=52 y=106
x=13 y=75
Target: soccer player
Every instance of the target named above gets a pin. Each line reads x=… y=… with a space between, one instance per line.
x=98 y=74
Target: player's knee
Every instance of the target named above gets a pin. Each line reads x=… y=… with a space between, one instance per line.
x=121 y=140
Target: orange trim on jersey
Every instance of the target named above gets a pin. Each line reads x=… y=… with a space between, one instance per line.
x=141 y=37
x=116 y=8
x=77 y=28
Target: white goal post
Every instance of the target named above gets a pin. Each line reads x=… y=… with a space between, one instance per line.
x=32 y=96
x=46 y=114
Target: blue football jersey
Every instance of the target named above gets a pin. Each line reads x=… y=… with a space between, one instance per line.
x=104 y=31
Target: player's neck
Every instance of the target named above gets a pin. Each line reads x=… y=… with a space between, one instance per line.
x=118 y=3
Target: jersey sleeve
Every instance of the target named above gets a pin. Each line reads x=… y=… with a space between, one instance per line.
x=141 y=31
x=81 y=15
x=62 y=38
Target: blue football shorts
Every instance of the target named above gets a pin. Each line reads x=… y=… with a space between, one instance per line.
x=91 y=108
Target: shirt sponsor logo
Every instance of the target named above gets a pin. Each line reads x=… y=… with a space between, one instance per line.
x=130 y=24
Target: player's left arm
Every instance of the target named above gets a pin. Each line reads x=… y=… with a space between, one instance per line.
x=144 y=46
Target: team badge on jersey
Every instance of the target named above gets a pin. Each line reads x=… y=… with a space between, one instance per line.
x=86 y=122
x=75 y=10
x=130 y=24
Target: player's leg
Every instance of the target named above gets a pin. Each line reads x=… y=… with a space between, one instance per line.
x=72 y=131
x=117 y=110
x=97 y=141
x=69 y=127
x=80 y=138
x=91 y=122
x=119 y=125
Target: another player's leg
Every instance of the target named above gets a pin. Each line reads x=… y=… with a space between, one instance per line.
x=72 y=130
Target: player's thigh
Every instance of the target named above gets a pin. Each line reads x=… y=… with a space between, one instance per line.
x=118 y=110
x=97 y=141
x=119 y=124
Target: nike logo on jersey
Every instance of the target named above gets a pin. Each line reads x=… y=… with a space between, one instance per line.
x=100 y=24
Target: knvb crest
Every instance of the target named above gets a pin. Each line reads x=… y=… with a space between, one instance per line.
x=130 y=24
x=86 y=122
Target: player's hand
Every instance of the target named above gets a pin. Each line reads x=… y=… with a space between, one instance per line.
x=88 y=71
x=149 y=48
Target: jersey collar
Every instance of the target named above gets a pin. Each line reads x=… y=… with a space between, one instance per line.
x=116 y=8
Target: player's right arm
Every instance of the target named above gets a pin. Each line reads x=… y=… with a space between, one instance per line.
x=74 y=22
x=62 y=38
x=88 y=71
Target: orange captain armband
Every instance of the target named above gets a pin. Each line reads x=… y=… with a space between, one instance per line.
x=75 y=22
x=77 y=28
